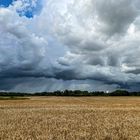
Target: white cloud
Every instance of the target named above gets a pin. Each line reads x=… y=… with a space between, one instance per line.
x=73 y=40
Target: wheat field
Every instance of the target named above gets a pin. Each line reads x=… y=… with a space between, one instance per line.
x=70 y=118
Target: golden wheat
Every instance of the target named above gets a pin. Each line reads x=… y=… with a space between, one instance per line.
x=70 y=118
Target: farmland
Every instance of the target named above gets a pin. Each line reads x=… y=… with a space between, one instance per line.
x=70 y=118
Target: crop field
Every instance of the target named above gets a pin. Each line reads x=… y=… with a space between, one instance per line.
x=70 y=118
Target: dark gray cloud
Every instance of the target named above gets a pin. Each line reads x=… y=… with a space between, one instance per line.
x=76 y=44
x=116 y=16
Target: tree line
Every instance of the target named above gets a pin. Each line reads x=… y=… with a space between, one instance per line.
x=73 y=93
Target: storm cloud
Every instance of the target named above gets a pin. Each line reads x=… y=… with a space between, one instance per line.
x=75 y=44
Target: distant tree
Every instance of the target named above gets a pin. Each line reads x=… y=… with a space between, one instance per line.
x=120 y=93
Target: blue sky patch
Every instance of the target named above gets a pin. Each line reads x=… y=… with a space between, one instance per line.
x=29 y=11
x=5 y=3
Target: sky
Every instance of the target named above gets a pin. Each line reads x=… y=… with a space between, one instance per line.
x=49 y=45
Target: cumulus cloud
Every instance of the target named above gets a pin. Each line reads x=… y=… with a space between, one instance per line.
x=81 y=43
x=19 y=48
x=102 y=38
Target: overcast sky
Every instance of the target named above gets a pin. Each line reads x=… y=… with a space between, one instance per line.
x=48 y=45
